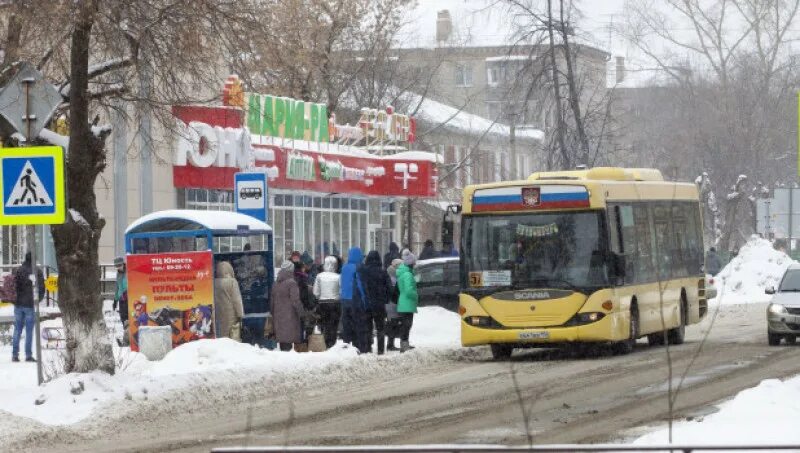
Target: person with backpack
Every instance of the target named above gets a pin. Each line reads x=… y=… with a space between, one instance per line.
x=23 y=307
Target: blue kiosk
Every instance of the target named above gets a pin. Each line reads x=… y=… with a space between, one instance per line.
x=240 y=239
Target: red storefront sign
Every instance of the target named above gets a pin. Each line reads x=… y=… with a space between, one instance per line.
x=214 y=147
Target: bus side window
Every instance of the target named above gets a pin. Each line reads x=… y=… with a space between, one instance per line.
x=614 y=231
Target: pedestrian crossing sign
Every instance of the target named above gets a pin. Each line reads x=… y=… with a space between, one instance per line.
x=32 y=185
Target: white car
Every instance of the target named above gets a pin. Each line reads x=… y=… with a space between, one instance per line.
x=783 y=312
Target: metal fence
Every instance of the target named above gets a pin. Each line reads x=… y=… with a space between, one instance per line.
x=500 y=449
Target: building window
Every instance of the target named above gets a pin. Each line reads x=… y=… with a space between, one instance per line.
x=209 y=199
x=493 y=76
x=463 y=75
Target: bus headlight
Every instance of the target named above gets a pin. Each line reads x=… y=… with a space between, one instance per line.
x=482 y=321
x=585 y=318
x=777 y=309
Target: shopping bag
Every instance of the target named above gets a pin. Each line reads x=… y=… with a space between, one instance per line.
x=301 y=347
x=269 y=327
x=391 y=311
x=316 y=341
x=236 y=332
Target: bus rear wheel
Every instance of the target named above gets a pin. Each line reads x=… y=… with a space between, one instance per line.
x=657 y=339
x=678 y=334
x=501 y=351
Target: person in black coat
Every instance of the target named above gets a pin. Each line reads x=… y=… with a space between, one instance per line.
x=306 y=298
x=428 y=251
x=391 y=255
x=371 y=294
x=24 y=313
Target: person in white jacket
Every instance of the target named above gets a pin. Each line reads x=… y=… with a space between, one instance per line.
x=326 y=290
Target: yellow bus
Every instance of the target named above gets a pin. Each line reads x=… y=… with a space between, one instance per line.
x=603 y=255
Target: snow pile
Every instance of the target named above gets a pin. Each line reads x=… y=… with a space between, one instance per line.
x=757 y=267
x=760 y=415
x=213 y=367
x=435 y=327
x=226 y=354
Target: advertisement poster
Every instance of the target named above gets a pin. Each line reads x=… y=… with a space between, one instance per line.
x=172 y=289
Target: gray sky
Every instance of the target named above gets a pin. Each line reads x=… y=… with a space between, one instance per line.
x=485 y=21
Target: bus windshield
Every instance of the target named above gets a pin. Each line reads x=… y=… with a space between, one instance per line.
x=536 y=250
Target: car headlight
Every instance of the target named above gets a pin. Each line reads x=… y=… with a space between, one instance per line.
x=777 y=309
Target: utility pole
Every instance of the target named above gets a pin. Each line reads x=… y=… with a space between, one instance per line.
x=31 y=236
x=409 y=236
x=791 y=214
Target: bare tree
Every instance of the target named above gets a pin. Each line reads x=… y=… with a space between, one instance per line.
x=733 y=79
x=562 y=76
x=319 y=50
x=93 y=51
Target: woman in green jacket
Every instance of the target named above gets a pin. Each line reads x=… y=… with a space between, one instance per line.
x=407 y=302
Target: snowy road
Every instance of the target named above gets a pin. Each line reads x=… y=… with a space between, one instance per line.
x=453 y=397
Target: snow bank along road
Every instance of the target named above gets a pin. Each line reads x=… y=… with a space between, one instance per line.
x=447 y=396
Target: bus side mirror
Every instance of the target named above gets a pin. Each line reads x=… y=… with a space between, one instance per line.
x=618 y=265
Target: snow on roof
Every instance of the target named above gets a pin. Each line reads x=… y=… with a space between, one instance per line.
x=213 y=220
x=509 y=58
x=441 y=114
x=446 y=259
x=340 y=149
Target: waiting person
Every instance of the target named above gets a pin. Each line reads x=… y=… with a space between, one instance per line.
x=23 y=307
x=306 y=298
x=310 y=267
x=326 y=290
x=287 y=309
x=428 y=251
x=449 y=250
x=346 y=280
x=227 y=301
x=392 y=317
x=121 y=298
x=391 y=255
x=713 y=262
x=376 y=286
x=295 y=256
x=408 y=299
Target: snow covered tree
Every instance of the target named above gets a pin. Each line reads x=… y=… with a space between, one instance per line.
x=711 y=215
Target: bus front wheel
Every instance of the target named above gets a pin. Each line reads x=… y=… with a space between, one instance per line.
x=626 y=346
x=501 y=351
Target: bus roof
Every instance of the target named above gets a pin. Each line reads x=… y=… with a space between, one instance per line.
x=587 y=188
x=600 y=174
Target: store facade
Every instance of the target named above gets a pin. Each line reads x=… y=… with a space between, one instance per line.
x=326 y=194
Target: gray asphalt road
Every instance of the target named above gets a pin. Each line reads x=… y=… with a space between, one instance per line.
x=540 y=396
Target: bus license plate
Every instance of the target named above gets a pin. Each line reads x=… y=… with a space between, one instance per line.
x=534 y=335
